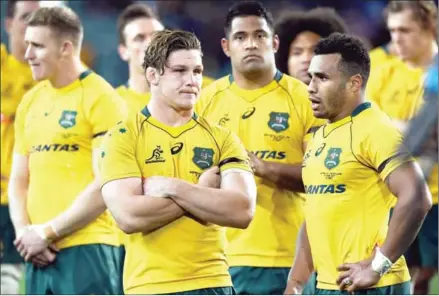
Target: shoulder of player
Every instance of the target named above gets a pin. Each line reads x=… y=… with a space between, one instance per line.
x=296 y=89
x=121 y=90
x=211 y=90
x=215 y=129
x=92 y=81
x=372 y=120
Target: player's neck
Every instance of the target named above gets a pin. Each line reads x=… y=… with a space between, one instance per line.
x=137 y=81
x=168 y=115
x=348 y=108
x=424 y=61
x=68 y=73
x=254 y=81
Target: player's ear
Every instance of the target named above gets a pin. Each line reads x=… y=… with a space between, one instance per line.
x=275 y=43
x=67 y=48
x=225 y=46
x=123 y=52
x=355 y=83
x=152 y=75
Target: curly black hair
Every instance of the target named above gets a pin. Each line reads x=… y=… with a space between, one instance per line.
x=322 y=21
x=354 y=56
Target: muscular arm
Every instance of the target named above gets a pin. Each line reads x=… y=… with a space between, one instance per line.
x=288 y=176
x=232 y=205
x=135 y=212
x=284 y=175
x=414 y=201
x=18 y=187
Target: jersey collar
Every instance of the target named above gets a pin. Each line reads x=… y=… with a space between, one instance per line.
x=251 y=95
x=174 y=131
x=332 y=126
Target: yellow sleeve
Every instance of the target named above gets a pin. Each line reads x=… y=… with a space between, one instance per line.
x=233 y=154
x=104 y=113
x=118 y=155
x=382 y=149
x=20 y=145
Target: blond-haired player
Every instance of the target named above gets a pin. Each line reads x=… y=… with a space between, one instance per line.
x=54 y=188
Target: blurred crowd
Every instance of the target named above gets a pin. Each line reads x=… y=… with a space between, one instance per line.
x=364 y=18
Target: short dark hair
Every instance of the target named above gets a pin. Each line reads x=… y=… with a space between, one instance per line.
x=131 y=13
x=247 y=8
x=10 y=9
x=322 y=21
x=354 y=56
x=63 y=21
x=165 y=42
x=424 y=12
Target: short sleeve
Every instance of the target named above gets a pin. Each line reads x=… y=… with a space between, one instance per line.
x=118 y=155
x=20 y=144
x=105 y=112
x=383 y=150
x=233 y=154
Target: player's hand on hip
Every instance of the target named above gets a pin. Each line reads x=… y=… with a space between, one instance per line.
x=257 y=165
x=210 y=178
x=357 y=276
x=293 y=288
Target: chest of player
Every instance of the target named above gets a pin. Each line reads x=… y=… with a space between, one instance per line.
x=185 y=157
x=57 y=125
x=270 y=124
x=329 y=166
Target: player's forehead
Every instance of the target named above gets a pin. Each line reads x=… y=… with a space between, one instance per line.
x=401 y=19
x=23 y=8
x=39 y=34
x=249 y=24
x=142 y=25
x=185 y=57
x=324 y=63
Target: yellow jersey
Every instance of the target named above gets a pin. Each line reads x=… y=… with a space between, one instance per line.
x=183 y=255
x=57 y=129
x=135 y=101
x=207 y=81
x=398 y=90
x=348 y=202
x=272 y=122
x=379 y=56
x=16 y=80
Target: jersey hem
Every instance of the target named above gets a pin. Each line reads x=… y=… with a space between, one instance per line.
x=181 y=285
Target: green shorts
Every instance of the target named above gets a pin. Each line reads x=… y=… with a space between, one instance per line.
x=424 y=249
x=8 y=252
x=86 y=269
x=207 y=291
x=249 y=280
x=398 y=289
x=311 y=285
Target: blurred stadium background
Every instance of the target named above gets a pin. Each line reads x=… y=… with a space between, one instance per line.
x=364 y=19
